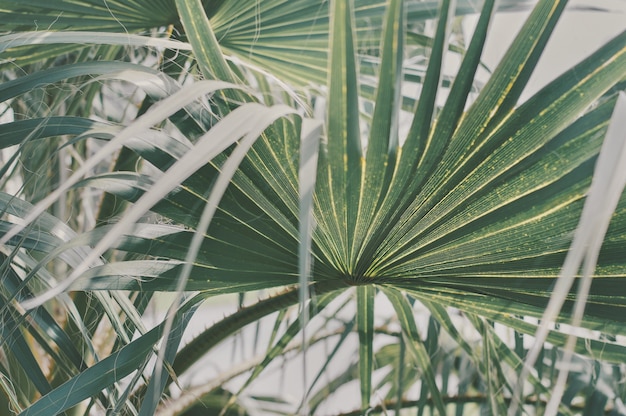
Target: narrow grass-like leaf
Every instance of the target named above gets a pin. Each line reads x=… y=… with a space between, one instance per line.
x=15 y=343
x=501 y=349
x=44 y=37
x=400 y=384
x=186 y=165
x=503 y=311
x=309 y=151
x=13 y=133
x=316 y=306
x=172 y=334
x=416 y=346
x=365 y=328
x=493 y=373
x=168 y=107
x=44 y=321
x=329 y=359
x=106 y=372
x=153 y=81
x=103 y=303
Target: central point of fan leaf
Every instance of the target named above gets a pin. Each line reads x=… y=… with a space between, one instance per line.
x=359 y=280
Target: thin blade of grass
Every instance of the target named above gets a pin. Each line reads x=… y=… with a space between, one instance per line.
x=169 y=106
x=416 y=345
x=365 y=328
x=307 y=173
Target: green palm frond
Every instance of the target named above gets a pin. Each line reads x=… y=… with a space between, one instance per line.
x=474 y=208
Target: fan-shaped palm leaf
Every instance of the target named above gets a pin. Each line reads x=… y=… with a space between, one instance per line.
x=472 y=209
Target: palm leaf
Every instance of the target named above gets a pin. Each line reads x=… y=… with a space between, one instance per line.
x=474 y=209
